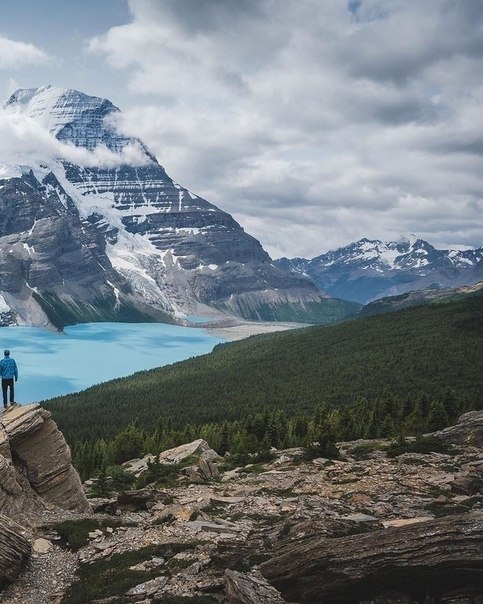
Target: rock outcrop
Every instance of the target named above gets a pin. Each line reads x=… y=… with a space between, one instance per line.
x=438 y=557
x=14 y=549
x=250 y=589
x=467 y=431
x=35 y=464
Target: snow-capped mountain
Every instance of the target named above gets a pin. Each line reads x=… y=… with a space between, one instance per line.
x=370 y=269
x=102 y=232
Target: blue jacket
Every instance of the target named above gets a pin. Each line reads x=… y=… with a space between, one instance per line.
x=8 y=368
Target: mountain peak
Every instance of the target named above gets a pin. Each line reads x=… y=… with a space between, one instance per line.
x=70 y=115
x=411 y=239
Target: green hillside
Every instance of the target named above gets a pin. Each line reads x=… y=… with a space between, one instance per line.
x=424 y=349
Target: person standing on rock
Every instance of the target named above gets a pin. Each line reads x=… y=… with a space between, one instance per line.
x=8 y=372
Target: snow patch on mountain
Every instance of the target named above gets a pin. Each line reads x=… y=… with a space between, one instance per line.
x=4 y=307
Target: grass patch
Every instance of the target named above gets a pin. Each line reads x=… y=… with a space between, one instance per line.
x=114 y=577
x=176 y=564
x=75 y=533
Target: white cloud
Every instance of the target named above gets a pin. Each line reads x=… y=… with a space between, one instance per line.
x=16 y=54
x=314 y=123
x=24 y=140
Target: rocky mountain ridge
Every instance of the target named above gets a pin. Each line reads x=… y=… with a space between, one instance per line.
x=420 y=297
x=371 y=269
x=105 y=233
x=365 y=527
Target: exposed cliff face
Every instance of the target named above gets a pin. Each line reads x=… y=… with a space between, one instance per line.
x=14 y=549
x=36 y=476
x=121 y=240
x=35 y=465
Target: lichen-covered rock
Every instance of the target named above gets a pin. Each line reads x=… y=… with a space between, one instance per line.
x=14 y=549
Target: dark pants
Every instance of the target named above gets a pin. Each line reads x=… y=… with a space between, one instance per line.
x=7 y=383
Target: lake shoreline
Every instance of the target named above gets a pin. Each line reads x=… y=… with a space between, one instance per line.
x=241 y=330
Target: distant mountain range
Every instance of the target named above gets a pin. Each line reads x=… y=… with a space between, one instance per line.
x=120 y=240
x=371 y=269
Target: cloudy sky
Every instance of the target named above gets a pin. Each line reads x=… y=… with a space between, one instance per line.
x=313 y=122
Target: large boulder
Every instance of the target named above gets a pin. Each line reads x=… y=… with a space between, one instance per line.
x=35 y=464
x=178 y=454
x=468 y=430
x=14 y=549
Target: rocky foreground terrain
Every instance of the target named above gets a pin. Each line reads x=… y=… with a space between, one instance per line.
x=365 y=528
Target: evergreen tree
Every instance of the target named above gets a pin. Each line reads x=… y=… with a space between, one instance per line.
x=126 y=445
x=450 y=404
x=437 y=418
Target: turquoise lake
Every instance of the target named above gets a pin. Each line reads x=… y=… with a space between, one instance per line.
x=51 y=364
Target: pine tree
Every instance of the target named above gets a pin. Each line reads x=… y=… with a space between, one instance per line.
x=450 y=404
x=437 y=418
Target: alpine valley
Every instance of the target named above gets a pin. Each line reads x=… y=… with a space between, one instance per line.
x=119 y=240
x=371 y=269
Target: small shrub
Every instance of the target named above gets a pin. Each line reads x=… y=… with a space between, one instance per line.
x=119 y=479
x=263 y=457
x=362 y=452
x=162 y=475
x=422 y=445
x=314 y=450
